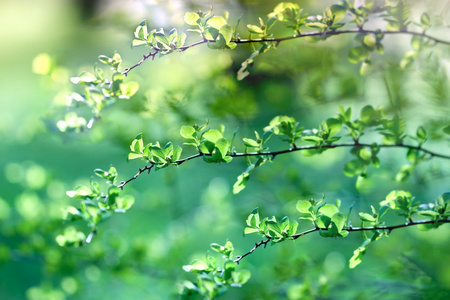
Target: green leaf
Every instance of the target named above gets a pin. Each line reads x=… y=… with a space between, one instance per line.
x=141 y=31
x=273 y=226
x=249 y=230
x=366 y=217
x=421 y=134
x=329 y=210
x=101 y=173
x=227 y=32
x=196 y=266
x=132 y=156
x=113 y=193
x=255 y=29
x=138 y=144
x=250 y=143
x=241 y=277
x=162 y=38
x=217 y=22
x=158 y=152
x=446 y=129
x=222 y=145
x=253 y=218
x=339 y=220
x=129 y=89
x=173 y=34
x=80 y=191
x=396 y=199
x=425 y=21
x=369 y=42
x=125 y=202
x=212 y=135
x=229 y=267
x=176 y=155
x=284 y=223
x=303 y=206
x=334 y=126
x=354 y=167
x=404 y=173
x=317 y=25
x=338 y=11
x=187 y=132
x=191 y=18
x=168 y=149
x=292 y=228
x=313 y=139
x=365 y=154
x=357 y=54
x=241 y=182
x=357 y=257
x=71 y=238
x=412 y=155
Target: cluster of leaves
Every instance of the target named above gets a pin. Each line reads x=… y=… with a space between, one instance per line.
x=214 y=30
x=325 y=217
x=213 y=279
x=214 y=147
x=158 y=40
x=397 y=19
x=217 y=33
x=210 y=143
x=330 y=221
x=404 y=205
x=99 y=92
x=96 y=206
x=393 y=133
x=291 y=16
x=326 y=25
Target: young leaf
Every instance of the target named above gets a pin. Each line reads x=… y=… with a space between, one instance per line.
x=303 y=206
x=212 y=135
x=357 y=54
x=191 y=18
x=353 y=168
x=222 y=145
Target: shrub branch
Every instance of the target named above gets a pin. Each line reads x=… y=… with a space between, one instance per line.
x=349 y=228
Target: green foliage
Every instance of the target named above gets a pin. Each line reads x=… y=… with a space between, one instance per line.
x=99 y=92
x=331 y=222
x=96 y=205
x=218 y=33
x=215 y=148
x=213 y=280
x=369 y=139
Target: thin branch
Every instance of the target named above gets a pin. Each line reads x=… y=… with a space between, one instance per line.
x=339 y=32
x=350 y=228
x=330 y=146
x=155 y=51
x=273 y=154
x=146 y=168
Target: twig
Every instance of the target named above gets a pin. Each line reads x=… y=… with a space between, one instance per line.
x=146 y=168
x=273 y=154
x=389 y=228
x=155 y=51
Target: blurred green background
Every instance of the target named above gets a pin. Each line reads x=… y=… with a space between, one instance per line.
x=180 y=211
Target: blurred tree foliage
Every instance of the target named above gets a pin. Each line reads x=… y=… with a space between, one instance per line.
x=174 y=215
